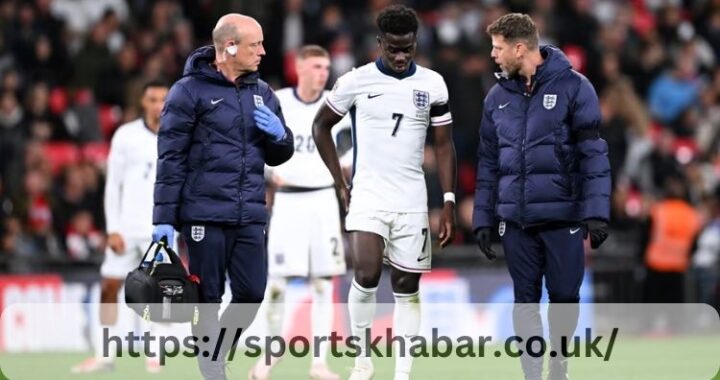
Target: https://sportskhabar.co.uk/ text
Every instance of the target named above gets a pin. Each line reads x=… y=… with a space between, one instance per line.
x=437 y=346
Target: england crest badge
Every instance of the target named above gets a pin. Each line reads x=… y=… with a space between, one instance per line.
x=421 y=99
x=258 y=100
x=549 y=101
x=197 y=233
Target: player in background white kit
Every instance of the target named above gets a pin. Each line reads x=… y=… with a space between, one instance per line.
x=305 y=237
x=392 y=101
x=128 y=214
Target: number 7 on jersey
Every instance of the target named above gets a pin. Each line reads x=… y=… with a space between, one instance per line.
x=398 y=117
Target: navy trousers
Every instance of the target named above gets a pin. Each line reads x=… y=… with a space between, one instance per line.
x=239 y=251
x=217 y=252
x=557 y=254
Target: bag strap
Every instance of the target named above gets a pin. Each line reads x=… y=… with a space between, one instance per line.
x=149 y=248
x=174 y=258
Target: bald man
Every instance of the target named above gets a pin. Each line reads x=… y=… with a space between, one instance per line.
x=220 y=125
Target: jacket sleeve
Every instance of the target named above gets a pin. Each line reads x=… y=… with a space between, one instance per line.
x=177 y=123
x=487 y=172
x=592 y=154
x=278 y=152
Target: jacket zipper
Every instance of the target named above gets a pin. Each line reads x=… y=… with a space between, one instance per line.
x=243 y=139
x=526 y=106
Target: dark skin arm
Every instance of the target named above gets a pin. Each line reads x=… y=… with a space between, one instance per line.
x=324 y=120
x=446 y=164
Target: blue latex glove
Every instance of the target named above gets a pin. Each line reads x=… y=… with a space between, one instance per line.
x=163 y=231
x=269 y=123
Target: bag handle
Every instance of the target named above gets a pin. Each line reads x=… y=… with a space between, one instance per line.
x=162 y=244
x=174 y=258
x=149 y=248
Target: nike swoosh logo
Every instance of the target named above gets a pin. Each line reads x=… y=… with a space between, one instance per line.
x=503 y=105
x=370 y=96
x=574 y=230
x=216 y=101
x=422 y=258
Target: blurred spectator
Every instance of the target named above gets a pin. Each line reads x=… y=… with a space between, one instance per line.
x=93 y=59
x=83 y=239
x=112 y=88
x=75 y=194
x=675 y=91
x=42 y=125
x=671 y=229
x=12 y=136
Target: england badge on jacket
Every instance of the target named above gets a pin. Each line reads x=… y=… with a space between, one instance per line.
x=549 y=101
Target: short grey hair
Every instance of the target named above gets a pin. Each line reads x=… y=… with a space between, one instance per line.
x=225 y=32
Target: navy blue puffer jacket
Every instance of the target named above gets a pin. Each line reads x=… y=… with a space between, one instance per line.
x=541 y=159
x=211 y=155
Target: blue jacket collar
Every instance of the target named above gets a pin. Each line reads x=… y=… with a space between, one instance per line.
x=387 y=71
x=554 y=62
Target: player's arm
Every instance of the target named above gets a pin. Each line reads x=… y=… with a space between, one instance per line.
x=441 y=123
x=447 y=172
x=177 y=123
x=591 y=153
x=113 y=184
x=337 y=104
x=323 y=123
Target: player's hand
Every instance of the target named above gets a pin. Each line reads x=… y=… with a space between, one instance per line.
x=116 y=243
x=344 y=193
x=268 y=122
x=161 y=231
x=597 y=230
x=482 y=237
x=447 y=224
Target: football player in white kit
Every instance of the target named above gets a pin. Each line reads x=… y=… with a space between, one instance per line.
x=391 y=101
x=128 y=214
x=304 y=238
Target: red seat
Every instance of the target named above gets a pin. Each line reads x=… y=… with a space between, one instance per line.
x=96 y=152
x=61 y=154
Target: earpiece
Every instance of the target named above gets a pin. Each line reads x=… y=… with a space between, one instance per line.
x=232 y=50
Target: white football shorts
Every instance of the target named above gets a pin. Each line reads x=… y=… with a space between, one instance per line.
x=407 y=237
x=305 y=237
x=118 y=265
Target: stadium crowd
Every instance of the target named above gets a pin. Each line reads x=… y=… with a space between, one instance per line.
x=71 y=72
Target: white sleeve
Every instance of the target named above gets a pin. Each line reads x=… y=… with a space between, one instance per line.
x=113 y=184
x=342 y=96
x=440 y=109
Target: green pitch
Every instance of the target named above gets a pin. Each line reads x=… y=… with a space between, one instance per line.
x=632 y=359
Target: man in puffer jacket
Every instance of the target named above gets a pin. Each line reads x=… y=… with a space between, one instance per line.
x=544 y=175
x=221 y=124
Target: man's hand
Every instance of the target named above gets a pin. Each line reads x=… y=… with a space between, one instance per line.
x=597 y=230
x=447 y=224
x=116 y=243
x=482 y=237
x=163 y=231
x=269 y=123
x=344 y=193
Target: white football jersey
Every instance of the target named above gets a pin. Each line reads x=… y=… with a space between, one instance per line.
x=131 y=181
x=306 y=168
x=390 y=115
